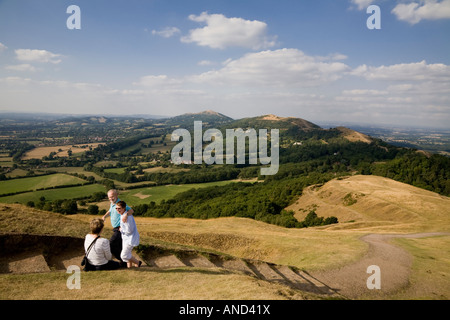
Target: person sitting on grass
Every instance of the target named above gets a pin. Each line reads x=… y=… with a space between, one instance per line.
x=130 y=235
x=100 y=254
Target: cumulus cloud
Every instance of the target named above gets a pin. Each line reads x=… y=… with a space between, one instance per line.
x=414 y=12
x=362 y=4
x=205 y=63
x=221 y=32
x=418 y=71
x=407 y=92
x=284 y=67
x=157 y=81
x=365 y=92
x=2 y=47
x=166 y=32
x=21 y=67
x=42 y=56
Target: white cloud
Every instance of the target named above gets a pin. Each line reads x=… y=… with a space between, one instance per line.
x=408 y=93
x=221 y=32
x=166 y=32
x=157 y=81
x=286 y=82
x=21 y=67
x=418 y=71
x=333 y=57
x=414 y=12
x=205 y=63
x=281 y=68
x=365 y=92
x=2 y=47
x=43 y=56
x=362 y=4
x=15 y=81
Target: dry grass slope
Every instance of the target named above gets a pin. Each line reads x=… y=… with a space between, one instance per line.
x=376 y=204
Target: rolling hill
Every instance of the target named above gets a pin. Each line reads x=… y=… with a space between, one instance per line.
x=272 y=121
x=368 y=202
x=209 y=118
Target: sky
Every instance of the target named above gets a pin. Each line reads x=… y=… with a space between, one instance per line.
x=378 y=62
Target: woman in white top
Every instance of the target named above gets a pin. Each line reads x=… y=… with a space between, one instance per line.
x=100 y=254
x=130 y=236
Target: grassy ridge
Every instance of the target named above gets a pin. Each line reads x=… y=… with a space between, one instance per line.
x=157 y=194
x=33 y=183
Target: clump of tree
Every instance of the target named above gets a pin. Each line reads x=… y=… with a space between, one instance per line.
x=430 y=173
x=67 y=206
x=312 y=220
x=263 y=201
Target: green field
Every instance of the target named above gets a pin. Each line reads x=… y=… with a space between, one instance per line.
x=156 y=194
x=133 y=196
x=34 y=183
x=54 y=194
x=115 y=170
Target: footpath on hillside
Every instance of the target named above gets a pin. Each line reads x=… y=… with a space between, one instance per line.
x=394 y=265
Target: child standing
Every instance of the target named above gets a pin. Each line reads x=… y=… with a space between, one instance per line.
x=130 y=236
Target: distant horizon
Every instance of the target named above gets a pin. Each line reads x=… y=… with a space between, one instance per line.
x=322 y=124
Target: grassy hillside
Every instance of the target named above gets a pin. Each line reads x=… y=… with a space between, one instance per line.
x=273 y=122
x=373 y=203
x=175 y=283
x=34 y=183
x=319 y=248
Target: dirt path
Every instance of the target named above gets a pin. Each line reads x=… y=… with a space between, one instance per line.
x=394 y=265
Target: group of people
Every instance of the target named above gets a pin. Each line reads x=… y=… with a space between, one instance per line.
x=125 y=237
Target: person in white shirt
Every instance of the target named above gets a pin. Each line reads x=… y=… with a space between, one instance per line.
x=116 y=238
x=130 y=235
x=100 y=254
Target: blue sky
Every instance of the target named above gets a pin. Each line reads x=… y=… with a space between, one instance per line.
x=315 y=60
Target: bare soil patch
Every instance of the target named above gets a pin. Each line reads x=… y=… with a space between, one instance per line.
x=24 y=253
x=140 y=195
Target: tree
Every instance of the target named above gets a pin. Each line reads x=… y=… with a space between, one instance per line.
x=69 y=207
x=98 y=196
x=312 y=219
x=93 y=209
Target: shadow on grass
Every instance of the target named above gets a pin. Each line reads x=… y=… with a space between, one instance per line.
x=184 y=270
